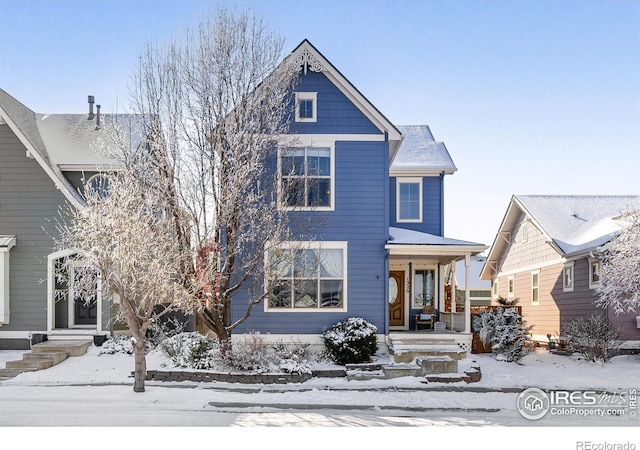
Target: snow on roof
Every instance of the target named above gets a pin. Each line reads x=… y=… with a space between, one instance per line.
x=71 y=139
x=401 y=236
x=420 y=151
x=578 y=223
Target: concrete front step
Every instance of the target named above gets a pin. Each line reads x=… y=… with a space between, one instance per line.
x=56 y=357
x=45 y=355
x=33 y=363
x=10 y=373
x=76 y=347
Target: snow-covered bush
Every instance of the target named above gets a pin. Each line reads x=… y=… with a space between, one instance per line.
x=351 y=341
x=192 y=350
x=504 y=330
x=592 y=337
x=160 y=330
x=293 y=358
x=117 y=344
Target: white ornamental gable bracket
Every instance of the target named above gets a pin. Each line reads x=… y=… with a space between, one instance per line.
x=308 y=62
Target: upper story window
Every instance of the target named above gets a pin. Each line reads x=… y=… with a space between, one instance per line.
x=594 y=273
x=409 y=199
x=568 y=277
x=306 y=174
x=100 y=185
x=308 y=276
x=306 y=106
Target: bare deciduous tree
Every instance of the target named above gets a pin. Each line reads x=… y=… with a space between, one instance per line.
x=124 y=237
x=619 y=284
x=219 y=102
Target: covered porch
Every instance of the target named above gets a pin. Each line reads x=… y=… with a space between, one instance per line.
x=419 y=266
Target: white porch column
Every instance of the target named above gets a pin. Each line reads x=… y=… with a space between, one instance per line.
x=453 y=290
x=467 y=295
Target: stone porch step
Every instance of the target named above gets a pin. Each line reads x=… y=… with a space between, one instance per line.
x=32 y=363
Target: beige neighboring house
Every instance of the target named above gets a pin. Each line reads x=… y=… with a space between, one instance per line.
x=545 y=255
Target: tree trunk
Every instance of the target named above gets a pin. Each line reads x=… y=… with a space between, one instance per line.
x=140 y=373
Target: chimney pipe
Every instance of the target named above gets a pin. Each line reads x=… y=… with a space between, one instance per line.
x=91 y=101
x=97 y=116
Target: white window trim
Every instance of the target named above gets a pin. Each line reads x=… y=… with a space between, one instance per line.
x=592 y=261
x=571 y=266
x=534 y=273
x=331 y=144
x=511 y=286
x=316 y=245
x=300 y=96
x=5 y=311
x=495 y=289
x=436 y=284
x=407 y=180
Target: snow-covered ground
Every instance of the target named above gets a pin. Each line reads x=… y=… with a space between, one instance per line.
x=102 y=383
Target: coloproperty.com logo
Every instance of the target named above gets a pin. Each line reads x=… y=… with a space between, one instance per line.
x=534 y=403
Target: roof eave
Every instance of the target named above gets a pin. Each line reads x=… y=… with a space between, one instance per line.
x=38 y=157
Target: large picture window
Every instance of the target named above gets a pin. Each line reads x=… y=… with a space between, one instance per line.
x=308 y=277
x=306 y=177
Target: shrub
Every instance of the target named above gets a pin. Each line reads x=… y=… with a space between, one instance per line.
x=190 y=350
x=351 y=341
x=504 y=330
x=592 y=337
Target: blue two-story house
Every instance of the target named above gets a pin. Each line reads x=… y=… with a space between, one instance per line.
x=376 y=191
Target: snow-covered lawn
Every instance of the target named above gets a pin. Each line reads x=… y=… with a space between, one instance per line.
x=103 y=382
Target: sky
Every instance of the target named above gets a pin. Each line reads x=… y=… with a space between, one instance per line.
x=529 y=96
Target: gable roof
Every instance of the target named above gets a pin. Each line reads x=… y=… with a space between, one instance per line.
x=55 y=141
x=420 y=154
x=308 y=57
x=574 y=225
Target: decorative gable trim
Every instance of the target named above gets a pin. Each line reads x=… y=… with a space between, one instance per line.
x=307 y=57
x=307 y=61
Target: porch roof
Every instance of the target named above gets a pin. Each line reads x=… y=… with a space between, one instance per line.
x=403 y=242
x=6 y=242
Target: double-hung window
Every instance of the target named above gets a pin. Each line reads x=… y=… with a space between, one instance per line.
x=409 y=199
x=594 y=273
x=307 y=276
x=567 y=277
x=306 y=174
x=535 y=287
x=306 y=106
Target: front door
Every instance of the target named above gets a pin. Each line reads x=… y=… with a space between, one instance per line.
x=396 y=298
x=84 y=295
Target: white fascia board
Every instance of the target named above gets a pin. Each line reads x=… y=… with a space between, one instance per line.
x=435 y=250
x=418 y=172
x=43 y=164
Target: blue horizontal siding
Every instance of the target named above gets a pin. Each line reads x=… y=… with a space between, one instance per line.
x=360 y=218
x=336 y=114
x=432 y=207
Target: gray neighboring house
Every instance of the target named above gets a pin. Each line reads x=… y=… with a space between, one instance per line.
x=44 y=161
